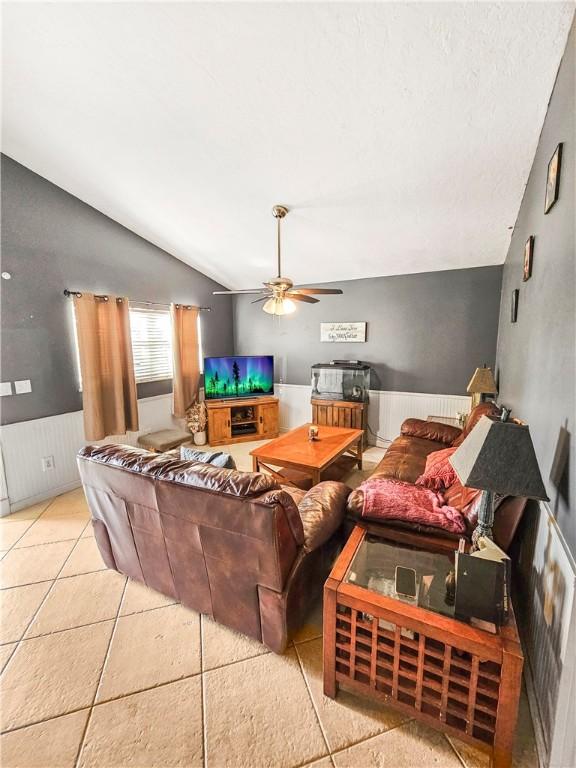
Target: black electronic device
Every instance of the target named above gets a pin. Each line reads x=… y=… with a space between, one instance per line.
x=405 y=581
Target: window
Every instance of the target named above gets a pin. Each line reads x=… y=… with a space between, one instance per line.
x=151 y=344
x=151 y=333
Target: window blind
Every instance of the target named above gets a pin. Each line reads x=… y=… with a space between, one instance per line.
x=151 y=344
x=151 y=333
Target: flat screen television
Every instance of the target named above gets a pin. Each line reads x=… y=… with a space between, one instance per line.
x=238 y=376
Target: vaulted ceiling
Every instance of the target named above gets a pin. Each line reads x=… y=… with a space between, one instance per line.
x=400 y=135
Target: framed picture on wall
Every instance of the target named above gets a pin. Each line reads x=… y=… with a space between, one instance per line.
x=528 y=256
x=553 y=179
x=514 y=305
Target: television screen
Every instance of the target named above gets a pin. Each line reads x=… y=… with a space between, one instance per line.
x=238 y=376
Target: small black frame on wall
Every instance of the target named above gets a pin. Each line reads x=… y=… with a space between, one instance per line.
x=514 y=305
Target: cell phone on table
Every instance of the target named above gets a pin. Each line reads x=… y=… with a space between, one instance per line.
x=405 y=581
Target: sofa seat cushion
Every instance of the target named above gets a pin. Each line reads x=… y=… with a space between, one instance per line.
x=386 y=500
x=404 y=460
x=406 y=457
x=322 y=511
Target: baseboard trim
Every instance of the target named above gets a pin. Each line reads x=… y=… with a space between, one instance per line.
x=534 y=711
x=37 y=498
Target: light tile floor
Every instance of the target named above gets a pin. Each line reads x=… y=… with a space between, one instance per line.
x=101 y=671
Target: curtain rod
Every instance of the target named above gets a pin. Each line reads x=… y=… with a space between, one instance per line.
x=68 y=293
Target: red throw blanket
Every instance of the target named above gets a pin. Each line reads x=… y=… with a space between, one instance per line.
x=395 y=500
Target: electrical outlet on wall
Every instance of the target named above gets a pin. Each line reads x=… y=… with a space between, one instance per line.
x=47 y=463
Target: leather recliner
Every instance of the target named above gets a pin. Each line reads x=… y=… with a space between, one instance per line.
x=233 y=545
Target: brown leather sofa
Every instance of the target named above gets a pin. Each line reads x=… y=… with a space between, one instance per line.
x=405 y=460
x=232 y=545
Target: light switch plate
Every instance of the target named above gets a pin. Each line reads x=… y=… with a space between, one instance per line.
x=23 y=387
x=5 y=388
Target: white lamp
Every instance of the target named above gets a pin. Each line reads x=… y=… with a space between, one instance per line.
x=278 y=306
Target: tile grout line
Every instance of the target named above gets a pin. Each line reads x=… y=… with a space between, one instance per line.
x=54 y=580
x=458 y=755
x=370 y=738
x=324 y=736
x=203 y=697
x=46 y=508
x=67 y=629
x=99 y=683
x=103 y=702
x=45 y=543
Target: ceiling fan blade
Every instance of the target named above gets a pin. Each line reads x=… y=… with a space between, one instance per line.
x=309 y=291
x=262 y=298
x=244 y=290
x=299 y=297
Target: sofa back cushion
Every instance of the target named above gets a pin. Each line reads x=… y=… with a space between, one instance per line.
x=430 y=430
x=487 y=408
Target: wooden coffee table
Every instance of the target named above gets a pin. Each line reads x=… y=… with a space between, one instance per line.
x=295 y=451
x=415 y=655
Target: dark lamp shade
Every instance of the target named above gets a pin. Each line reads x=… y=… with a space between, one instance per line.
x=482 y=382
x=499 y=456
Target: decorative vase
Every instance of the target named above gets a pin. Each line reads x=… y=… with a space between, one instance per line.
x=200 y=438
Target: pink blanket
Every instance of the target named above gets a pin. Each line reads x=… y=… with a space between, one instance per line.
x=395 y=500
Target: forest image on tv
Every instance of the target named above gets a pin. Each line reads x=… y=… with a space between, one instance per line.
x=238 y=376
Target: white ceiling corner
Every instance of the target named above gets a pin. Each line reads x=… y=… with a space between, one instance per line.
x=400 y=135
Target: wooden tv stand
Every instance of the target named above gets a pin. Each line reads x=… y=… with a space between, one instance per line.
x=237 y=421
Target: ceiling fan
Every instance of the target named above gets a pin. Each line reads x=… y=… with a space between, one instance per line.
x=279 y=293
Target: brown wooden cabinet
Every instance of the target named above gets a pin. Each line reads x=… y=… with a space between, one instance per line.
x=268 y=419
x=219 y=426
x=235 y=421
x=340 y=413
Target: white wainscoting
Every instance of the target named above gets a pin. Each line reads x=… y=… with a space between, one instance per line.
x=26 y=443
x=386 y=410
x=549 y=586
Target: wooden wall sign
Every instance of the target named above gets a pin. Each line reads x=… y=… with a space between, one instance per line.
x=343 y=332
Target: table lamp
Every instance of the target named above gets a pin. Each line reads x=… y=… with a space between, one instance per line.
x=498 y=457
x=481 y=383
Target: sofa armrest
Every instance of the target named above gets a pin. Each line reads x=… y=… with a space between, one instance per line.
x=430 y=430
x=322 y=511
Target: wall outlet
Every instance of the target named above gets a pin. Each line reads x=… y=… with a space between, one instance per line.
x=5 y=388
x=47 y=463
x=23 y=387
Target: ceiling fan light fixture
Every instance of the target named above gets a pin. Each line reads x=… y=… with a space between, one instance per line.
x=277 y=306
x=279 y=294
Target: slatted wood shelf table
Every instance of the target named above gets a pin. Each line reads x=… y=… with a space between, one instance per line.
x=416 y=656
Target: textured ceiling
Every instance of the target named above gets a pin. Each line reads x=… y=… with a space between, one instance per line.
x=400 y=135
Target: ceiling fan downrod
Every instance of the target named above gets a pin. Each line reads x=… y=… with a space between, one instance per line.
x=279 y=211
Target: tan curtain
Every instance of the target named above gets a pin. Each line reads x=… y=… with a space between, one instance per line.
x=108 y=382
x=185 y=357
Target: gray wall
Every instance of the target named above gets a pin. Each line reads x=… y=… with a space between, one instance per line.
x=536 y=366
x=426 y=332
x=51 y=241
